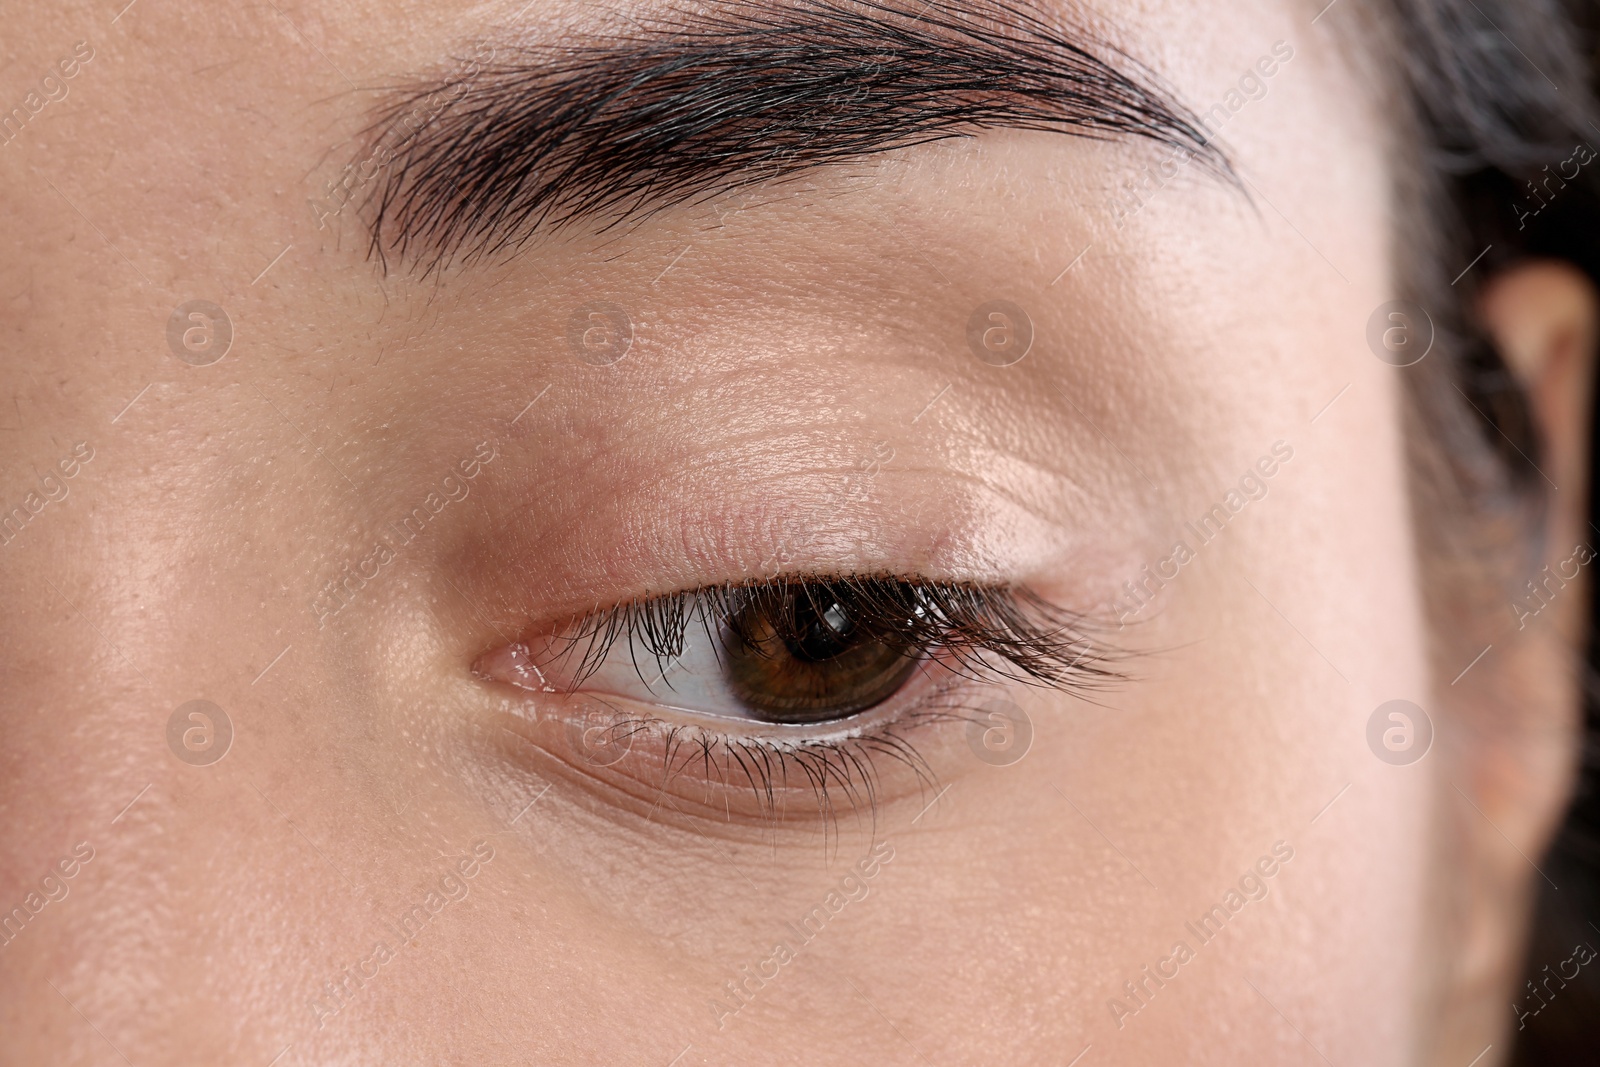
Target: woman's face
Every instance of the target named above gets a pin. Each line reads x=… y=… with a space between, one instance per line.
x=353 y=533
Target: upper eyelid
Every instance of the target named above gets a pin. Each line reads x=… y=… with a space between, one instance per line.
x=600 y=129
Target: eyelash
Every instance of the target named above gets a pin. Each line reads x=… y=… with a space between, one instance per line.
x=829 y=765
x=970 y=623
x=979 y=633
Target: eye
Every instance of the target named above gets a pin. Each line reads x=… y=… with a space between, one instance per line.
x=813 y=655
x=730 y=701
x=800 y=651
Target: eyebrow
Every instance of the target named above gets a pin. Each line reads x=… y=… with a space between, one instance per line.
x=600 y=129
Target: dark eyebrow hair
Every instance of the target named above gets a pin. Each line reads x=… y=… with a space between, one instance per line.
x=604 y=128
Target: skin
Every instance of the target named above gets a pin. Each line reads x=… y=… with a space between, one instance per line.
x=781 y=337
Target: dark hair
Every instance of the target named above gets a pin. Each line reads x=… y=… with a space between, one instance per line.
x=1502 y=93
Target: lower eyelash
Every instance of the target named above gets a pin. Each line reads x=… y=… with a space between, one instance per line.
x=836 y=768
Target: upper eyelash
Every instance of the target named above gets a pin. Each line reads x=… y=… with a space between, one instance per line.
x=970 y=624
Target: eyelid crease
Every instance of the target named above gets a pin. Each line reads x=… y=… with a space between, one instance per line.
x=601 y=130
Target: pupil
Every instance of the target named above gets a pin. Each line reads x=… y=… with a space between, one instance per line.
x=820 y=636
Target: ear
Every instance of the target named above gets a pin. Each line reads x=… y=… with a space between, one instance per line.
x=1543 y=316
x=1513 y=765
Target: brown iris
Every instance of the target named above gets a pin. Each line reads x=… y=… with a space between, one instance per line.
x=804 y=656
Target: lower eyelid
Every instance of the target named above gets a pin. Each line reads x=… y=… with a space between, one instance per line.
x=755 y=773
